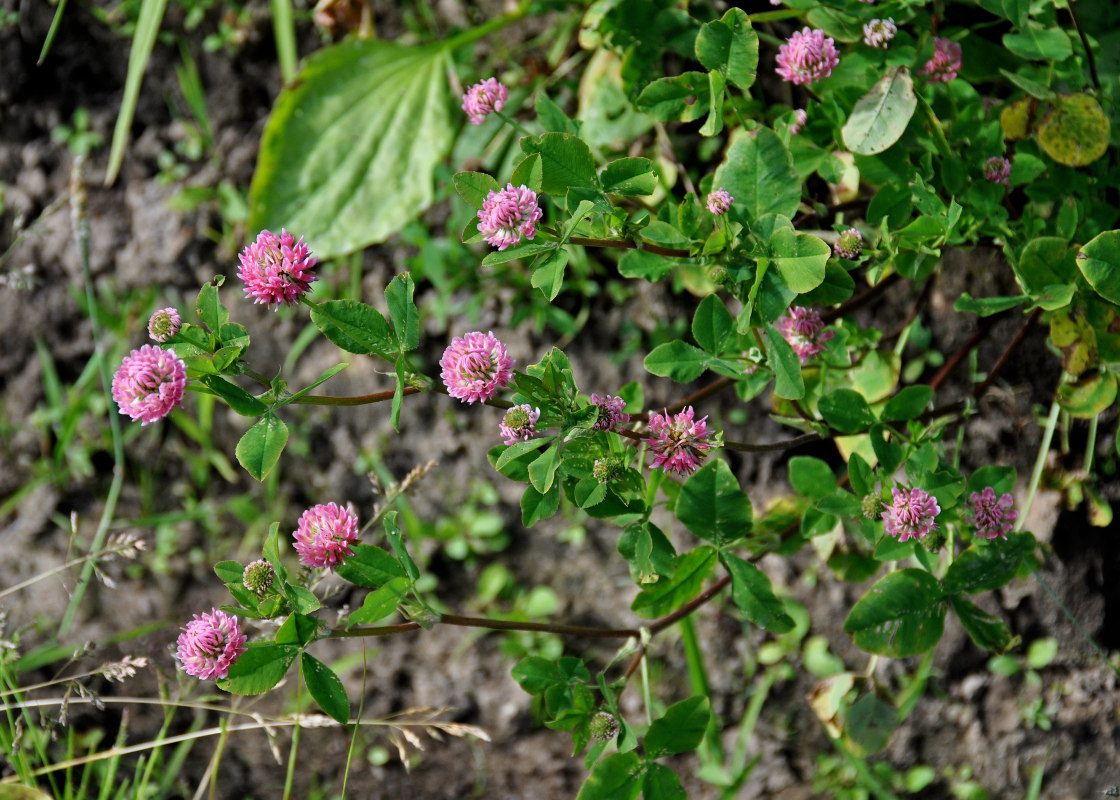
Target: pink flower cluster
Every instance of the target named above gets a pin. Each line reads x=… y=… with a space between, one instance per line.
x=910 y=515
x=719 y=201
x=997 y=169
x=680 y=443
x=878 y=32
x=993 y=516
x=475 y=367
x=519 y=424
x=277 y=269
x=483 y=98
x=610 y=411
x=509 y=214
x=164 y=324
x=804 y=330
x=807 y=56
x=210 y=644
x=149 y=384
x=324 y=535
x=946 y=61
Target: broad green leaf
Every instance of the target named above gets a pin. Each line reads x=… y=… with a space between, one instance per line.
x=396 y=540
x=1045 y=261
x=983 y=567
x=549 y=274
x=565 y=161
x=380 y=603
x=716 y=89
x=536 y=506
x=908 y=404
x=629 y=176
x=800 y=259
x=712 y=324
x=811 y=477
x=518 y=450
x=298 y=629
x=403 y=312
x=986 y=306
x=1035 y=43
x=1099 y=262
x=239 y=400
x=542 y=471
x=473 y=187
x=209 y=306
x=661 y=783
x=616 y=777
x=259 y=668
x=325 y=687
x=355 y=327
x=348 y=154
x=754 y=595
x=677 y=360
x=685 y=97
x=1089 y=396
x=730 y=46
x=680 y=729
x=535 y=674
x=519 y=251
x=552 y=117
x=758 y=172
x=529 y=173
x=644 y=264
x=869 y=723
x=712 y=505
x=370 y=567
x=788 y=382
x=673 y=591
x=990 y=633
x=880 y=117
x=1074 y=130
x=261 y=446
x=902 y=614
x=846 y=411
x=837 y=286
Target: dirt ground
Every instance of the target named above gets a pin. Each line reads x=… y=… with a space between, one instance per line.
x=969 y=719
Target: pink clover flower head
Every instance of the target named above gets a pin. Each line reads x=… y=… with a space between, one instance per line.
x=993 y=516
x=807 y=56
x=483 y=98
x=910 y=515
x=277 y=269
x=475 y=367
x=210 y=644
x=997 y=169
x=324 y=535
x=849 y=244
x=149 y=383
x=680 y=442
x=508 y=215
x=878 y=32
x=519 y=424
x=719 y=201
x=164 y=324
x=804 y=329
x=610 y=411
x=800 y=117
x=946 y=61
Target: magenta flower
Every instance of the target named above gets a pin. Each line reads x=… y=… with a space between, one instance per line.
x=519 y=424
x=800 y=117
x=910 y=515
x=878 y=32
x=946 y=61
x=149 y=383
x=210 y=644
x=680 y=444
x=997 y=170
x=992 y=516
x=719 y=201
x=508 y=215
x=475 y=367
x=164 y=324
x=804 y=330
x=610 y=411
x=277 y=269
x=483 y=98
x=807 y=56
x=324 y=535
x=849 y=244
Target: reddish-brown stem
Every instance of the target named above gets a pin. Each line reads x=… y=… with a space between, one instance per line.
x=861 y=299
x=961 y=352
x=627 y=244
x=927 y=287
x=983 y=386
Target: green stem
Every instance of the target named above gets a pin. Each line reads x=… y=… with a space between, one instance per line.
x=935 y=126
x=1039 y=463
x=627 y=244
x=1085 y=43
x=513 y=123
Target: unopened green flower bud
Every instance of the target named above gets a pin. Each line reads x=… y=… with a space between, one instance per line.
x=258 y=577
x=849 y=244
x=604 y=726
x=719 y=274
x=872 y=506
x=934 y=540
x=606 y=469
